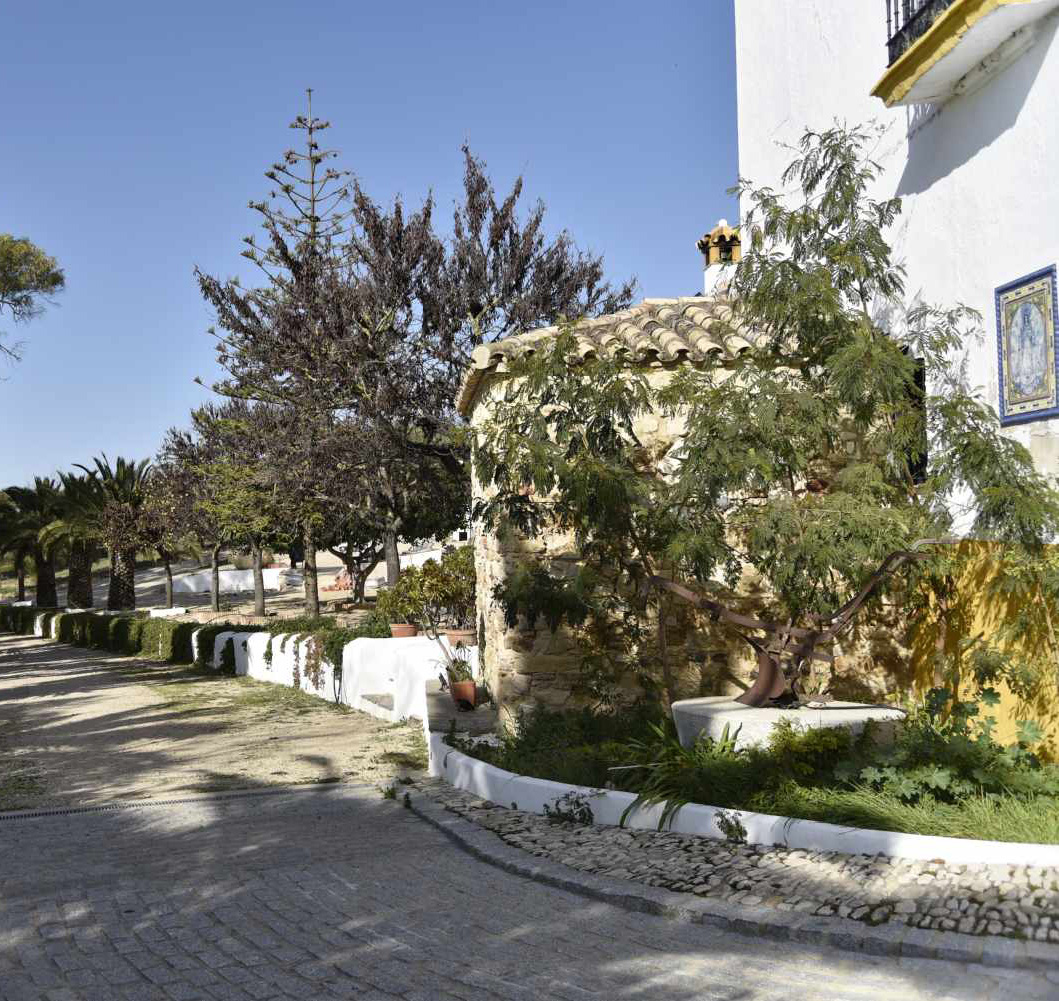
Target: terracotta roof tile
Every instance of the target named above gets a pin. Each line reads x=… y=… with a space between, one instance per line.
x=692 y=329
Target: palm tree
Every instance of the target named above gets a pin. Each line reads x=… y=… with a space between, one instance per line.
x=114 y=498
x=76 y=531
x=14 y=543
x=28 y=511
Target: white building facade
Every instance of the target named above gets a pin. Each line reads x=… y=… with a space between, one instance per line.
x=968 y=90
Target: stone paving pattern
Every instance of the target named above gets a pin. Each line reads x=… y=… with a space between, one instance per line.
x=337 y=893
x=1008 y=900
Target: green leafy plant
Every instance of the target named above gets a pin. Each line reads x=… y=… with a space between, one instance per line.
x=447 y=589
x=730 y=825
x=403 y=602
x=571 y=808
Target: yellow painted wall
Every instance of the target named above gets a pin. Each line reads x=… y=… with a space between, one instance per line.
x=975 y=610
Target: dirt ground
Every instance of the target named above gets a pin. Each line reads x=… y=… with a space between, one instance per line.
x=87 y=727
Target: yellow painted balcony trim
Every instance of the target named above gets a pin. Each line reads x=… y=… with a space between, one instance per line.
x=939 y=40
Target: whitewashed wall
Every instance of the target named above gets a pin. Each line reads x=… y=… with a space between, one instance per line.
x=275 y=579
x=399 y=668
x=977 y=174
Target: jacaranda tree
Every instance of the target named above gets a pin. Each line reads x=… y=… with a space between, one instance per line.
x=840 y=449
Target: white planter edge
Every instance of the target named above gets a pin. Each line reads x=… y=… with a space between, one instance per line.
x=508 y=789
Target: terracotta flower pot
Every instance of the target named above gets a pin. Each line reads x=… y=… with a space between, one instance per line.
x=402 y=630
x=468 y=637
x=464 y=692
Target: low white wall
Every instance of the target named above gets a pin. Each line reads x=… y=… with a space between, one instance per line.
x=399 y=668
x=530 y=794
x=276 y=579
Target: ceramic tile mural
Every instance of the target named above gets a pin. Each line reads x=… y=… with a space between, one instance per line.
x=1026 y=323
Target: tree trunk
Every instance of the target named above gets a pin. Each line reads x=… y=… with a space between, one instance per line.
x=121 y=595
x=21 y=581
x=79 y=582
x=393 y=557
x=312 y=590
x=168 y=580
x=663 y=654
x=360 y=583
x=215 y=578
x=45 y=593
x=259 y=582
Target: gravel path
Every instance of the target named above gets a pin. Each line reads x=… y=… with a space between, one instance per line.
x=1015 y=901
x=80 y=726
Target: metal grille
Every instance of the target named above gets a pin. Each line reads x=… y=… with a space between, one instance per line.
x=907 y=20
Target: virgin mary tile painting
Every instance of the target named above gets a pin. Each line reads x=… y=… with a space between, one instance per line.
x=1026 y=323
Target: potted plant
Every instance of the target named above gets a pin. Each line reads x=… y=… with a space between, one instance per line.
x=458 y=567
x=402 y=604
x=447 y=596
x=459 y=676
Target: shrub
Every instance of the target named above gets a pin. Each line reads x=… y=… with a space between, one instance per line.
x=169 y=641
x=18 y=620
x=945 y=774
x=579 y=747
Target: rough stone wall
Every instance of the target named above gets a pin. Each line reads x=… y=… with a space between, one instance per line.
x=530 y=665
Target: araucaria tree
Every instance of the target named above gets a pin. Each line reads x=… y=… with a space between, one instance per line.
x=834 y=453
x=273 y=339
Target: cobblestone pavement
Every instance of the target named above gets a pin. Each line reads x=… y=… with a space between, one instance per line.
x=1016 y=901
x=337 y=893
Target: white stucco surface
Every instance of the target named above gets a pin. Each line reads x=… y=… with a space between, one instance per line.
x=398 y=668
x=749 y=726
x=976 y=173
x=276 y=579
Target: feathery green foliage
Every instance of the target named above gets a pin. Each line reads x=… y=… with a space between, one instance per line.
x=802 y=461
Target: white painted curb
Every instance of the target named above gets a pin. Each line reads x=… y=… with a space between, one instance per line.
x=518 y=791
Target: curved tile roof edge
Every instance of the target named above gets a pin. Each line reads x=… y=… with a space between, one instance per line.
x=692 y=329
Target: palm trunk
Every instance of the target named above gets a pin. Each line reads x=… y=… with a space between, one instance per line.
x=79 y=583
x=312 y=589
x=215 y=578
x=393 y=557
x=121 y=595
x=21 y=582
x=45 y=595
x=259 y=582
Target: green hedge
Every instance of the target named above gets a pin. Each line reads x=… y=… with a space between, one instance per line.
x=18 y=620
x=164 y=640
x=169 y=641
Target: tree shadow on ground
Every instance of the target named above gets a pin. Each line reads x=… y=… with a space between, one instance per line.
x=334 y=888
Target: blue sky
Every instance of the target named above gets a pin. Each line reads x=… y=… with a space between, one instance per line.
x=135 y=134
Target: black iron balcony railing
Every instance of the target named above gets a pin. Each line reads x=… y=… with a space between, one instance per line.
x=907 y=20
